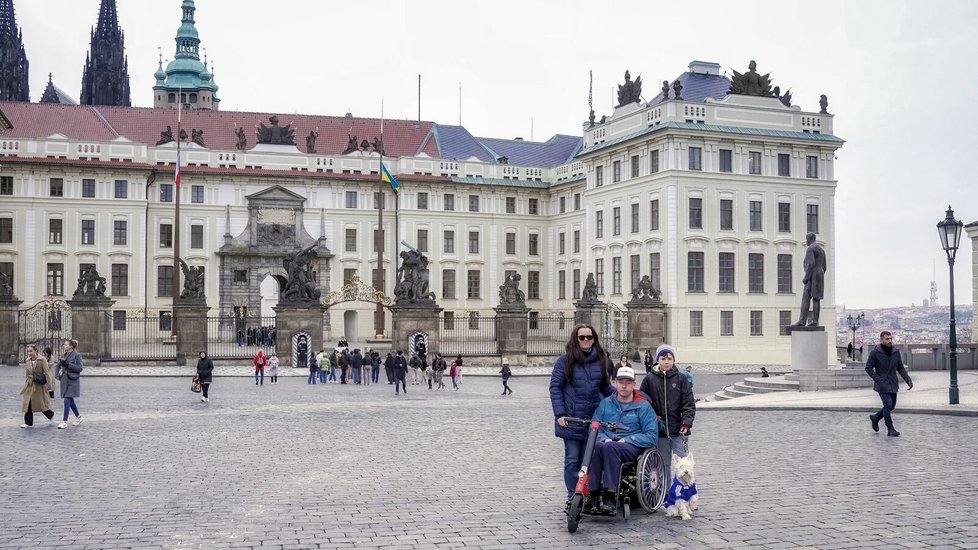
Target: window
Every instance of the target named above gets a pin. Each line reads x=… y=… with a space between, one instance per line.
x=449 y=202
x=6 y=185
x=473 y=320
x=474 y=242
x=534 y=320
x=756 y=323
x=726 y=323
x=88 y=232
x=7 y=268
x=726 y=160
x=351 y=199
x=474 y=203
x=576 y=284
x=197 y=236
x=6 y=230
x=57 y=187
x=377 y=197
x=122 y=190
x=754 y=162
x=350 y=243
x=423 y=240
x=784 y=165
x=755 y=216
x=119 y=319
x=811 y=167
x=616 y=275
x=616 y=171
x=166 y=321
x=164 y=281
x=598 y=176
x=449 y=320
x=784 y=217
x=533 y=285
x=55 y=231
x=653 y=161
x=696 y=323
x=562 y=285
x=635 y=268
x=811 y=215
x=634 y=172
x=166 y=192
x=695 y=158
x=348 y=274
x=120 y=279
x=726 y=272
x=534 y=206
x=56 y=279
x=696 y=213
x=577 y=201
x=240 y=275
x=599 y=224
x=562 y=202
x=561 y=248
x=784 y=273
x=654 y=215
x=166 y=235
x=599 y=274
x=119 y=232
x=654 y=270
x=88 y=188
x=616 y=220
x=534 y=244
x=755 y=272
x=473 y=283
x=422 y=201
x=726 y=214
x=694 y=271
x=784 y=321
x=449 y=247
x=510 y=205
x=448 y=284
x=577 y=241
x=635 y=217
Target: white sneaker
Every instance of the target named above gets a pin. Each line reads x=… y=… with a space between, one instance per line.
x=63 y=425
x=203 y=399
x=78 y=420
x=24 y=426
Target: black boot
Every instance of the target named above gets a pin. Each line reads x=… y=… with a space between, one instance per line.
x=875 y=421
x=609 y=502
x=892 y=432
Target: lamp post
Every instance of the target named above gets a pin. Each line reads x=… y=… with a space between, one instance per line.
x=950 y=232
x=854 y=323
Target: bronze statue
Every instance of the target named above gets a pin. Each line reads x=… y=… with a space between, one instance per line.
x=275 y=134
x=645 y=292
x=665 y=90
x=814 y=282
x=311 y=141
x=351 y=145
x=166 y=136
x=509 y=291
x=378 y=145
x=364 y=145
x=193 y=282
x=197 y=136
x=242 y=140
x=90 y=284
x=183 y=134
x=751 y=83
x=590 y=293
x=300 y=285
x=823 y=102
x=6 y=289
x=677 y=89
x=590 y=119
x=630 y=92
x=412 y=285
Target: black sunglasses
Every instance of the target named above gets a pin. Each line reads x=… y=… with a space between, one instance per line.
x=583 y=337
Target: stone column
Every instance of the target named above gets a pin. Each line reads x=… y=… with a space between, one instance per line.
x=407 y=319
x=512 y=328
x=91 y=325
x=9 y=331
x=191 y=329
x=646 y=327
x=589 y=313
x=292 y=318
x=808 y=348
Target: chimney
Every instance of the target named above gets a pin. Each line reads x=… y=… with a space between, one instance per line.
x=704 y=67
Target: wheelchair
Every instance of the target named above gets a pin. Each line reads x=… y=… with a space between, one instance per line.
x=642 y=481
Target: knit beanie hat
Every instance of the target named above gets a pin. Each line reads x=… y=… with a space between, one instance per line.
x=664 y=348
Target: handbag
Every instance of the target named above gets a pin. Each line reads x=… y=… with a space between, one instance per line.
x=40 y=378
x=195 y=384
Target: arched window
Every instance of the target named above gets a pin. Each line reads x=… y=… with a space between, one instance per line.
x=172 y=98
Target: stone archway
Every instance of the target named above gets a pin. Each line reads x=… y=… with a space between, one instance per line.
x=269 y=290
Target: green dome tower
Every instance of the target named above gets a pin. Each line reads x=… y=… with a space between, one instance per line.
x=186 y=82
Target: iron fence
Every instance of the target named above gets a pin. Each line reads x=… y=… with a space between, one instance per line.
x=235 y=336
x=468 y=334
x=548 y=334
x=46 y=324
x=141 y=334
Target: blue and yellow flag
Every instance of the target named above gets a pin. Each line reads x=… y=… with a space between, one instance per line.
x=387 y=177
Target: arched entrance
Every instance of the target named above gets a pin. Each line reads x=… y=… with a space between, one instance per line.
x=350 y=326
x=269 y=292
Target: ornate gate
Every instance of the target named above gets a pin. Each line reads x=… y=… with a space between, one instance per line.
x=46 y=323
x=614 y=333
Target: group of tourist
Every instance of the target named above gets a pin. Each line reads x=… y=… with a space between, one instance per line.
x=39 y=384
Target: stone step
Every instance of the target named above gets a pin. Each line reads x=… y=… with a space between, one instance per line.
x=751 y=389
x=773 y=382
x=791 y=376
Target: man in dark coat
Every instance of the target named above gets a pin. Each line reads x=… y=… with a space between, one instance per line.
x=814 y=282
x=344 y=365
x=356 y=365
x=400 y=372
x=389 y=368
x=883 y=365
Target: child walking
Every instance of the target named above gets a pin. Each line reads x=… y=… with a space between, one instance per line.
x=273 y=368
x=506 y=372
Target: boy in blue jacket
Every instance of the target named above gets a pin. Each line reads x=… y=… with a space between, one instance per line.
x=639 y=431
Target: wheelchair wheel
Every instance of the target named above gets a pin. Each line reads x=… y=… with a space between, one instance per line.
x=626 y=510
x=574 y=512
x=650 y=480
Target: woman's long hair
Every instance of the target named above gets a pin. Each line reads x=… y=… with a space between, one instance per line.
x=577 y=356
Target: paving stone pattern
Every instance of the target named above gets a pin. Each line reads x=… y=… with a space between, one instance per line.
x=298 y=466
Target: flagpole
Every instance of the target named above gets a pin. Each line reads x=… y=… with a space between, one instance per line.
x=379 y=239
x=176 y=220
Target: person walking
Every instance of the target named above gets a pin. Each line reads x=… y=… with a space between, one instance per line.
x=356 y=365
x=334 y=366
x=458 y=369
x=322 y=362
x=69 y=376
x=882 y=366
x=400 y=373
x=38 y=388
x=417 y=372
x=365 y=368
x=581 y=378
x=648 y=360
x=453 y=372
x=506 y=372
x=622 y=362
x=344 y=365
x=205 y=374
x=440 y=365
x=313 y=370
x=375 y=367
x=260 y=361
x=672 y=400
x=389 y=368
x=273 y=368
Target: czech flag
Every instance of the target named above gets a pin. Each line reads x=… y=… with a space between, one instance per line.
x=176 y=178
x=387 y=177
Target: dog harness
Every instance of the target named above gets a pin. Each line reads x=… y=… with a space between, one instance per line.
x=678 y=491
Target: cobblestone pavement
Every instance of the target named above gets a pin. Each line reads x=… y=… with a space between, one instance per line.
x=297 y=466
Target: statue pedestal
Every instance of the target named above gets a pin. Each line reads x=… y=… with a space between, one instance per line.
x=646 y=327
x=9 y=332
x=191 y=329
x=809 y=347
x=291 y=319
x=91 y=325
x=589 y=313
x=406 y=320
x=512 y=329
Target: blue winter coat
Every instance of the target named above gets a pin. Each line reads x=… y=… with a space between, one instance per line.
x=581 y=397
x=640 y=426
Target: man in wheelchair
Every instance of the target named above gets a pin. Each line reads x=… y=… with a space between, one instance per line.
x=638 y=430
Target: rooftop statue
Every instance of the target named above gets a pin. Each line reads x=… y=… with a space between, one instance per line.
x=197 y=136
x=166 y=136
x=351 y=144
x=629 y=92
x=311 y=141
x=510 y=293
x=823 y=102
x=590 y=119
x=665 y=90
x=378 y=145
x=275 y=134
x=242 y=141
x=677 y=90
x=751 y=83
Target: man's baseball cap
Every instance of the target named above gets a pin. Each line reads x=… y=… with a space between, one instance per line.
x=626 y=373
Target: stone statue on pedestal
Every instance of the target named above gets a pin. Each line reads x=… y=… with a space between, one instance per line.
x=751 y=83
x=300 y=285
x=590 y=293
x=193 y=282
x=645 y=292
x=814 y=282
x=90 y=284
x=510 y=293
x=6 y=289
x=412 y=284
x=630 y=92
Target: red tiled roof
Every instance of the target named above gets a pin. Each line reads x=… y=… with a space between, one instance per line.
x=143 y=125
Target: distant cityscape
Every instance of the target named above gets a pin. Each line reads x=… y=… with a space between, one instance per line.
x=909 y=325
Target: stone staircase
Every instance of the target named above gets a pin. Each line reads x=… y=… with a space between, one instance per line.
x=755 y=385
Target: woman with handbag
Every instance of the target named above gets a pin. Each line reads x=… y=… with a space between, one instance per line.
x=38 y=387
x=69 y=376
x=205 y=371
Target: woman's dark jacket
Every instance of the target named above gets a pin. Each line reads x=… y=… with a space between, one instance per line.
x=580 y=397
x=205 y=370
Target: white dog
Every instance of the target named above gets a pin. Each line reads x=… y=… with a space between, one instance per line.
x=682 y=498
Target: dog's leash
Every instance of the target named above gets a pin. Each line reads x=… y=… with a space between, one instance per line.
x=686 y=444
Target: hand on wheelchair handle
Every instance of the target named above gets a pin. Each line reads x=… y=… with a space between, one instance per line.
x=684 y=431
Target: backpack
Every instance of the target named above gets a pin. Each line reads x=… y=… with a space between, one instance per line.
x=261 y=360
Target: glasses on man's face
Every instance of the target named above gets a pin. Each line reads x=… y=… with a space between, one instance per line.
x=585 y=337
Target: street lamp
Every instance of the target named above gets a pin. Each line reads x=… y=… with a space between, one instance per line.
x=950 y=231
x=854 y=323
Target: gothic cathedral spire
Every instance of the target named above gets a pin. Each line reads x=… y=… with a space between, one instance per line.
x=105 y=80
x=13 y=60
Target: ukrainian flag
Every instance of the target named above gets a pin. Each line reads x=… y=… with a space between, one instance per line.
x=386 y=176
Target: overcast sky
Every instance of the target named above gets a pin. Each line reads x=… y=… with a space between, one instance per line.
x=898 y=76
